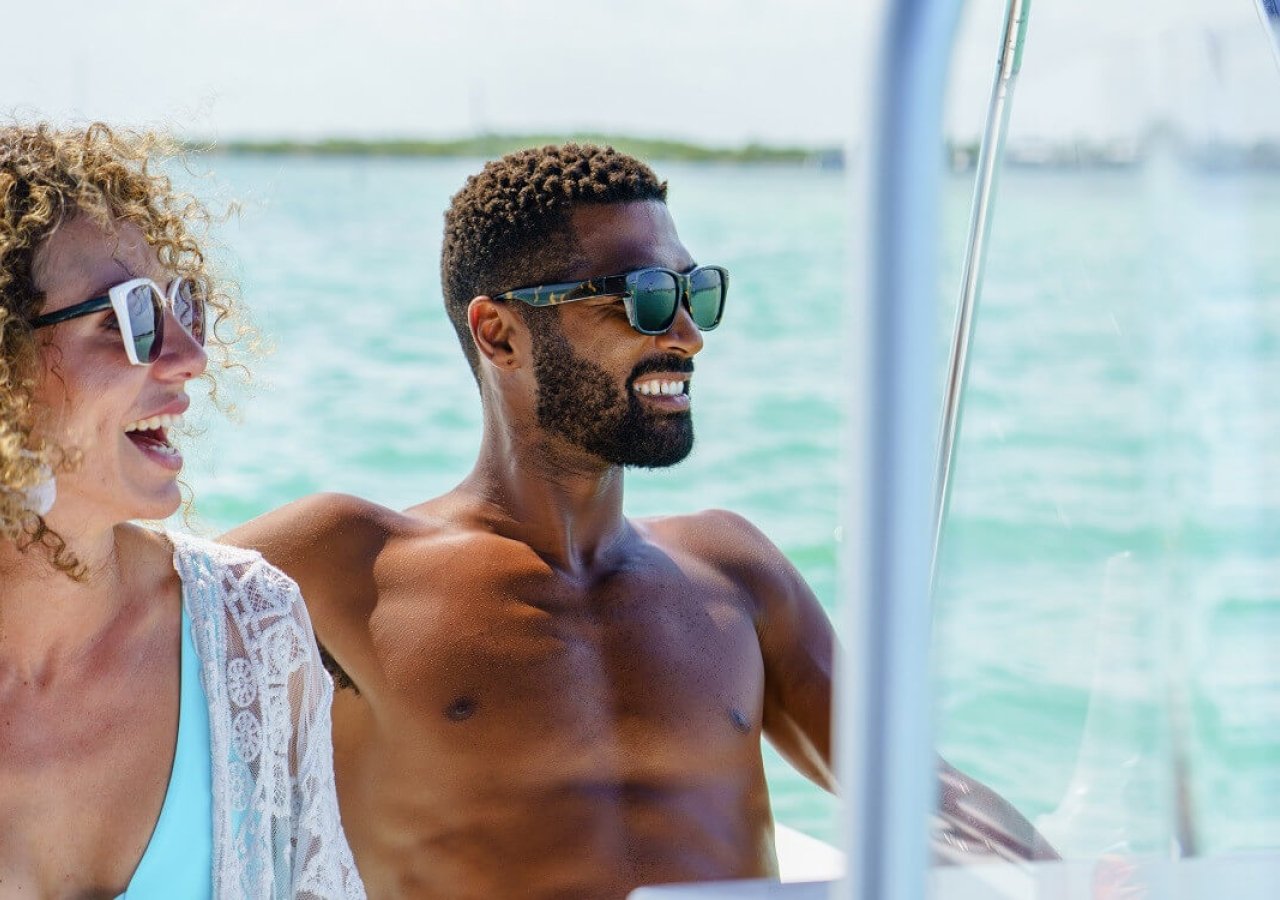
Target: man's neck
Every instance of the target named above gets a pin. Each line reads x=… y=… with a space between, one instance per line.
x=561 y=501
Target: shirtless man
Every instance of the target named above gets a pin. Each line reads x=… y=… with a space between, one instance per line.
x=546 y=698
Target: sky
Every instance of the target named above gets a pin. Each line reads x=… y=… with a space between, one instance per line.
x=1110 y=70
x=713 y=71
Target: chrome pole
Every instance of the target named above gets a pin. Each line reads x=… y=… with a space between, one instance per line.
x=989 y=155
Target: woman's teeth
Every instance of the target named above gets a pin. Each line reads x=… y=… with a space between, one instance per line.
x=656 y=388
x=159 y=446
x=155 y=423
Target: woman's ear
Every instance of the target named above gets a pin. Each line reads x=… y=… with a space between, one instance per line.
x=493 y=325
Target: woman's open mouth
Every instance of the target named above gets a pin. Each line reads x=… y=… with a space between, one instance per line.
x=151 y=436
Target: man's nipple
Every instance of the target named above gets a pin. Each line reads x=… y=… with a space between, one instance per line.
x=461 y=709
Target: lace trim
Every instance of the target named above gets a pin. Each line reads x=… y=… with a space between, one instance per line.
x=277 y=831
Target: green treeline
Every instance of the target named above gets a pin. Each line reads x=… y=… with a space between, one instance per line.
x=492 y=145
x=958 y=156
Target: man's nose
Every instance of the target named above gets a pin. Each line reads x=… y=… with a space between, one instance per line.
x=683 y=336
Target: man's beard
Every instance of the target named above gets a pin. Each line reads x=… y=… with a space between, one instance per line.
x=580 y=402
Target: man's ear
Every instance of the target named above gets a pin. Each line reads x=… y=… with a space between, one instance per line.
x=493 y=325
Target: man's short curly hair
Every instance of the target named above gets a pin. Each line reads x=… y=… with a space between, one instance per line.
x=510 y=225
x=47 y=176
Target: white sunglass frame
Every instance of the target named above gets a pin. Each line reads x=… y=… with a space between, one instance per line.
x=117 y=299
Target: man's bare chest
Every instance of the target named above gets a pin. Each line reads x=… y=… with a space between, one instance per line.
x=634 y=657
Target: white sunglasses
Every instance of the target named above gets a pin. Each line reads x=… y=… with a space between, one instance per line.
x=139 y=305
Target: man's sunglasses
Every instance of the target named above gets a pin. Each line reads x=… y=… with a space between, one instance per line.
x=651 y=296
x=139 y=305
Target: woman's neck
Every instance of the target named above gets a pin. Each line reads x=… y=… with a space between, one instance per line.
x=46 y=613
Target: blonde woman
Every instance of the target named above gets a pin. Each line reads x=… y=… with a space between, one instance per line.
x=165 y=727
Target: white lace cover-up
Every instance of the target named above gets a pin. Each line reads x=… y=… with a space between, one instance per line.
x=276 y=831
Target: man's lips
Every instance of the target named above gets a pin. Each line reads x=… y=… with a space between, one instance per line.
x=666 y=391
x=665 y=385
x=669 y=365
x=665 y=376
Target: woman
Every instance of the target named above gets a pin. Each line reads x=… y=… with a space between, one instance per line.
x=165 y=727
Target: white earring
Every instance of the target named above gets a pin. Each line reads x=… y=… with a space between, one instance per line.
x=40 y=496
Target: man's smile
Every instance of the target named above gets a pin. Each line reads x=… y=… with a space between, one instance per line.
x=665 y=390
x=662 y=386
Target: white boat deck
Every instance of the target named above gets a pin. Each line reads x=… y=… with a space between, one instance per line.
x=1254 y=876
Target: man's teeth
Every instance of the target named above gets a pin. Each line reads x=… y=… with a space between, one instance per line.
x=656 y=388
x=154 y=423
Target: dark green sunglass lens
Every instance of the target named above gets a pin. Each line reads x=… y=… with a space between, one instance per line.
x=145 y=318
x=655 y=301
x=706 y=297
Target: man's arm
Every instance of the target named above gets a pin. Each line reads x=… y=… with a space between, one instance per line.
x=328 y=544
x=974 y=824
x=797 y=644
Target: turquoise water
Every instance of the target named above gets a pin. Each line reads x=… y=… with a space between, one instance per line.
x=1109 y=599
x=1115 y=466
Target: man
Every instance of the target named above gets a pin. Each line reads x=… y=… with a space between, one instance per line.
x=545 y=698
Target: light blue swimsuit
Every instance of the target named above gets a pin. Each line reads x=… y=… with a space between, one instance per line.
x=178 y=861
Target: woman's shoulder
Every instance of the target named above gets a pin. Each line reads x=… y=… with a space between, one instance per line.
x=222 y=570
x=192 y=547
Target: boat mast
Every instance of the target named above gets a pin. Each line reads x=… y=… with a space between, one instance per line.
x=990 y=153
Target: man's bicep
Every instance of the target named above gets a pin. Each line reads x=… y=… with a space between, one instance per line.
x=798 y=646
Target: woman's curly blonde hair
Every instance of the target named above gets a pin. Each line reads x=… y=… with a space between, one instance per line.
x=47 y=176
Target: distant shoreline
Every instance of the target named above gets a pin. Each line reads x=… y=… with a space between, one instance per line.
x=494 y=145
x=958 y=157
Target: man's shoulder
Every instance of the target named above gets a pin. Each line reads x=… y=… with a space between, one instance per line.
x=323 y=539
x=333 y=533
x=322 y=512
x=738 y=551
x=324 y=522
x=718 y=533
